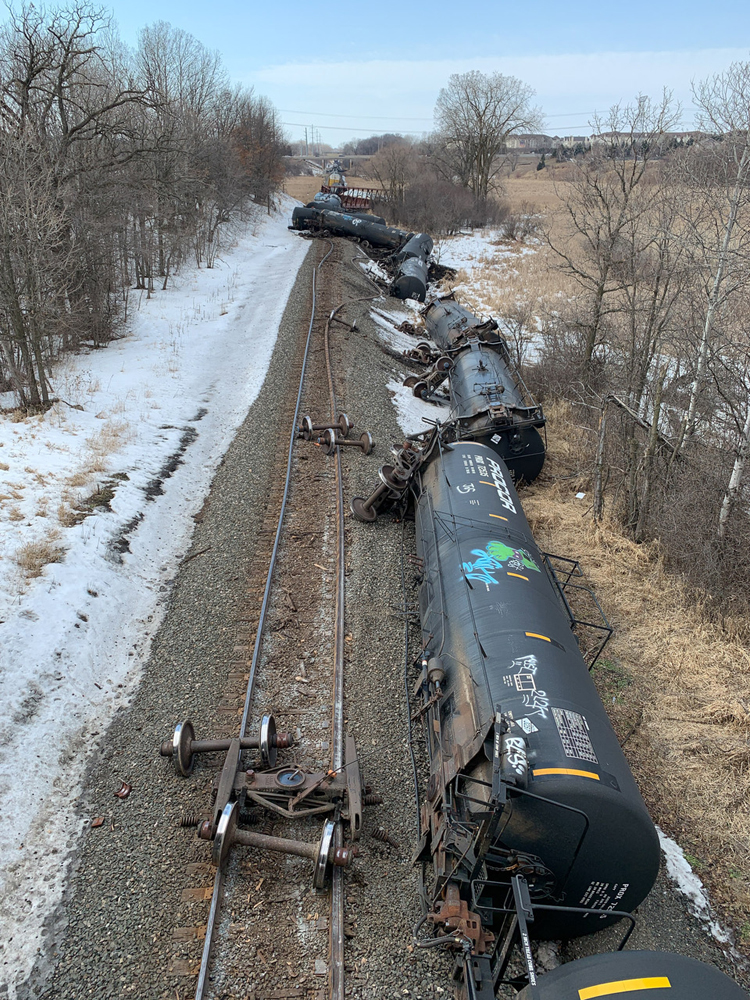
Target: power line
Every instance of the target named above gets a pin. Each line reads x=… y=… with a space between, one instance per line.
x=330 y=114
x=343 y=128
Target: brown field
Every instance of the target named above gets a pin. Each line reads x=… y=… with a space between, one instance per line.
x=525 y=186
x=677 y=686
x=539 y=188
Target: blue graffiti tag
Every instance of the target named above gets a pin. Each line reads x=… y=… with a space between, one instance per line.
x=497 y=556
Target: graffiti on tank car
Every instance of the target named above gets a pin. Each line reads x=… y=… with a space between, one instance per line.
x=537 y=702
x=523 y=676
x=515 y=754
x=497 y=555
x=489 y=467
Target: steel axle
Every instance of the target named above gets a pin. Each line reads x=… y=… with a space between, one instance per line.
x=331 y=441
x=323 y=854
x=307 y=427
x=183 y=746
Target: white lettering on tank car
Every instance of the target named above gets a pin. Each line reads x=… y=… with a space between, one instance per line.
x=495 y=473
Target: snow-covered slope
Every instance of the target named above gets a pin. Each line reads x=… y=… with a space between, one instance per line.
x=171 y=392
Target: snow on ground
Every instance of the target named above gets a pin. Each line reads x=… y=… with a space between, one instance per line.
x=414 y=415
x=479 y=253
x=374 y=270
x=387 y=323
x=149 y=419
x=688 y=883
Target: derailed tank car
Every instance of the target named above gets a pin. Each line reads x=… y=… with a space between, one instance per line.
x=532 y=824
x=520 y=744
x=642 y=975
x=488 y=399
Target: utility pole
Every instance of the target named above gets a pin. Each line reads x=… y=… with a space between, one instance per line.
x=307 y=146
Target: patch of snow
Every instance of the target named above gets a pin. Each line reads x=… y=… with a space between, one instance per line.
x=688 y=883
x=414 y=414
x=172 y=391
x=393 y=337
x=477 y=249
x=374 y=269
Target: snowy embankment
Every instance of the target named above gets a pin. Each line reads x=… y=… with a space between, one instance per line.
x=144 y=426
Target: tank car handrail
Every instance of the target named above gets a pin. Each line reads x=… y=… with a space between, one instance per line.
x=464 y=521
x=541 y=798
x=561 y=586
x=560 y=908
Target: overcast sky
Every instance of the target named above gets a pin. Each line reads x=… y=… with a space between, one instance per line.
x=354 y=68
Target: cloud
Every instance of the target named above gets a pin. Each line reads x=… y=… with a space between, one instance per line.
x=379 y=93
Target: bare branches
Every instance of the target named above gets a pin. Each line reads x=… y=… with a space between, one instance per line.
x=112 y=169
x=474 y=115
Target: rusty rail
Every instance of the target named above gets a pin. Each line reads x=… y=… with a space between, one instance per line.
x=218 y=886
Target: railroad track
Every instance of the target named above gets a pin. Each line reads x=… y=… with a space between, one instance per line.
x=301 y=540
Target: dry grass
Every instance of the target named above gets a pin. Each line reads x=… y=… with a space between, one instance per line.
x=4 y=466
x=536 y=187
x=526 y=281
x=78 y=479
x=66 y=516
x=34 y=556
x=678 y=688
x=112 y=436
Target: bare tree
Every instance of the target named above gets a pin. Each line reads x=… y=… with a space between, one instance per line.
x=474 y=115
x=717 y=177
x=605 y=219
x=112 y=167
x=394 y=167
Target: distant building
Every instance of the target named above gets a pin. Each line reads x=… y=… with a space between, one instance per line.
x=530 y=143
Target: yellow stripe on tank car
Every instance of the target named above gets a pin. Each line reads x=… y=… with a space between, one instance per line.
x=624 y=986
x=499 y=517
x=519 y=575
x=568 y=770
x=536 y=635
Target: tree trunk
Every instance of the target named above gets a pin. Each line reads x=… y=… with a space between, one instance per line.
x=735 y=479
x=648 y=458
x=599 y=464
x=687 y=427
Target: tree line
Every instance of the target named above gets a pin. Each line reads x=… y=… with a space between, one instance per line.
x=115 y=167
x=647 y=334
x=449 y=178
x=649 y=337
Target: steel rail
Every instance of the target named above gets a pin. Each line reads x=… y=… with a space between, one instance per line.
x=218 y=886
x=336 y=927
